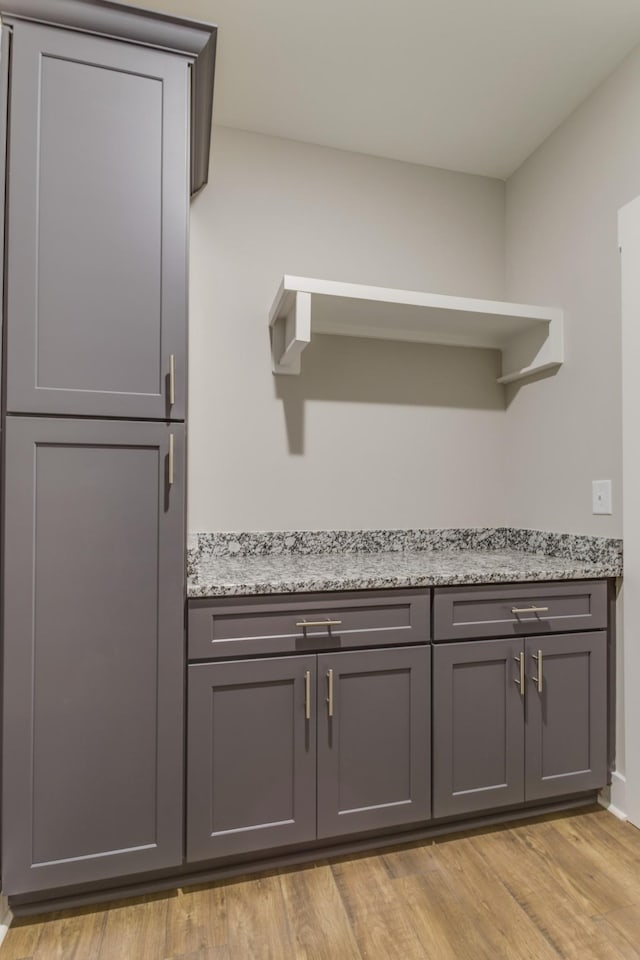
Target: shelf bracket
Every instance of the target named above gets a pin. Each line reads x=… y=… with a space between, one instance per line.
x=533 y=351
x=290 y=327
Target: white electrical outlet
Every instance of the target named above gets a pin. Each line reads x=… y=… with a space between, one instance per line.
x=601 y=494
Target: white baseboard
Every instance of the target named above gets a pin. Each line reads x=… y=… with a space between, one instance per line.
x=614 y=798
x=5 y=917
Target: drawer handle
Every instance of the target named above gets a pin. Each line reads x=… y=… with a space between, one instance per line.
x=318 y=623
x=520 y=680
x=171 y=460
x=307 y=694
x=538 y=679
x=172 y=380
x=518 y=610
x=330 y=697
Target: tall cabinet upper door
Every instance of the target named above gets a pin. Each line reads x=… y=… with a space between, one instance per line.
x=93 y=651
x=97 y=234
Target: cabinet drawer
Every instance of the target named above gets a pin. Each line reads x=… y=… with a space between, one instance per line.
x=461 y=613
x=235 y=626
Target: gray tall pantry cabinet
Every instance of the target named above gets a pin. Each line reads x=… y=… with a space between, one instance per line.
x=107 y=124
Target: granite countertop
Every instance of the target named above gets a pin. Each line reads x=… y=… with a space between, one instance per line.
x=256 y=564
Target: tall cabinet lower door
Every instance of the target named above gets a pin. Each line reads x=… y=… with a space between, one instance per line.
x=94 y=646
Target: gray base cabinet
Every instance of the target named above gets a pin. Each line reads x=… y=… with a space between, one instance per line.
x=93 y=651
x=287 y=750
x=502 y=736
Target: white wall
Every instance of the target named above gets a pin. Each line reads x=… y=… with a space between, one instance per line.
x=372 y=434
x=629 y=236
x=562 y=248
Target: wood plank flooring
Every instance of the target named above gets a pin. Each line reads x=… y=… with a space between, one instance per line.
x=565 y=886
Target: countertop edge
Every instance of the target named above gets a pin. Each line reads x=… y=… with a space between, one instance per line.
x=224 y=588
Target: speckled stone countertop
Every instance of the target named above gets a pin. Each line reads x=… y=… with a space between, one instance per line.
x=303 y=562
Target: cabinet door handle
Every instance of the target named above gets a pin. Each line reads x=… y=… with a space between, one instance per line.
x=307 y=695
x=518 y=610
x=330 y=690
x=538 y=679
x=171 y=460
x=318 y=623
x=520 y=679
x=172 y=380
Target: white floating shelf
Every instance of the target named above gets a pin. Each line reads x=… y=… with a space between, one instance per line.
x=530 y=338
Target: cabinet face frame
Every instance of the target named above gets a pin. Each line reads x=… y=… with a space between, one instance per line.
x=140 y=314
x=72 y=632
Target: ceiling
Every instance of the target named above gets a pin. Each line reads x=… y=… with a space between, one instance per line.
x=470 y=85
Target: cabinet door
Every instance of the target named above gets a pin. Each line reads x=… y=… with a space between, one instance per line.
x=97 y=227
x=478 y=722
x=251 y=781
x=566 y=721
x=373 y=739
x=93 y=651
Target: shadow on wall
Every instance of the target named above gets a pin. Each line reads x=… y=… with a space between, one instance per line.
x=355 y=370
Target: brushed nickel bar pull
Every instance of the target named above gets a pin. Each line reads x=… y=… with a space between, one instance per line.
x=172 y=380
x=318 y=623
x=171 y=459
x=307 y=695
x=518 y=610
x=330 y=697
x=538 y=679
x=520 y=680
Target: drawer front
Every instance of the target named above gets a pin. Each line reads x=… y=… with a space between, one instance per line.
x=241 y=626
x=512 y=610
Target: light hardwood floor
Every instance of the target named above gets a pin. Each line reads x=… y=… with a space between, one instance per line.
x=565 y=886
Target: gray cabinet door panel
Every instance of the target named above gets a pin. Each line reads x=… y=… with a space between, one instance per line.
x=373 y=753
x=97 y=225
x=478 y=720
x=251 y=781
x=566 y=722
x=93 y=651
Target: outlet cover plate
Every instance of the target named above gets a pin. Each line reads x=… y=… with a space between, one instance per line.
x=601 y=495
